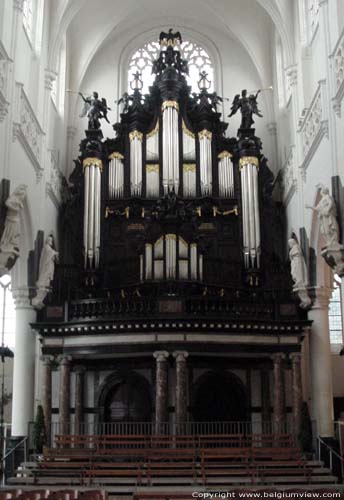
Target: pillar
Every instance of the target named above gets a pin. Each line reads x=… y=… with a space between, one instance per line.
x=265 y=396
x=79 y=399
x=181 y=389
x=161 y=391
x=46 y=394
x=296 y=390
x=321 y=364
x=64 y=395
x=24 y=364
x=279 y=396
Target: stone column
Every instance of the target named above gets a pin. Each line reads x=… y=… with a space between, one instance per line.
x=161 y=390
x=64 y=396
x=46 y=394
x=79 y=399
x=296 y=390
x=279 y=396
x=181 y=389
x=321 y=364
x=24 y=364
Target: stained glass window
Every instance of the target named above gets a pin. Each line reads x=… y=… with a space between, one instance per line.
x=197 y=57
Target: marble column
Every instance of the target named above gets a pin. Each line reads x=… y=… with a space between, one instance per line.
x=181 y=389
x=24 y=364
x=64 y=395
x=79 y=399
x=296 y=390
x=279 y=395
x=321 y=364
x=46 y=394
x=161 y=390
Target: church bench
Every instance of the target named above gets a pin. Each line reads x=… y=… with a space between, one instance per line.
x=220 y=461
x=221 y=440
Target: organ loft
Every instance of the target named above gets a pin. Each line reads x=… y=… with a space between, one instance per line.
x=172 y=303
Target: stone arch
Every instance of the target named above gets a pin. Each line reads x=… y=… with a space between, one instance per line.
x=125 y=396
x=220 y=395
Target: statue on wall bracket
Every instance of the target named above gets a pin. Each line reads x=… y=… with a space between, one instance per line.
x=49 y=256
x=333 y=252
x=298 y=271
x=10 y=239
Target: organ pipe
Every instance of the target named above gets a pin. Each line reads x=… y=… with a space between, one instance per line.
x=189 y=144
x=152 y=144
x=250 y=211
x=92 y=203
x=152 y=181
x=205 y=162
x=189 y=180
x=116 y=176
x=170 y=144
x=226 y=175
x=135 y=138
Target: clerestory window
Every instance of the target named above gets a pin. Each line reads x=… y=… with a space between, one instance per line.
x=335 y=314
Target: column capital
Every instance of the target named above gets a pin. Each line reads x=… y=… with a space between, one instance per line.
x=71 y=131
x=272 y=128
x=161 y=355
x=47 y=359
x=278 y=357
x=292 y=73
x=64 y=359
x=49 y=78
x=79 y=369
x=322 y=297
x=295 y=357
x=18 y=5
x=21 y=298
x=180 y=355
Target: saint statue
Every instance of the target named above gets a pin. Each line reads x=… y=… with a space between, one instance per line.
x=327 y=214
x=47 y=262
x=10 y=239
x=299 y=272
x=248 y=107
x=95 y=109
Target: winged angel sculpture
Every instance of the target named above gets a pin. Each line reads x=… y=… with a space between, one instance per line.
x=248 y=107
x=95 y=109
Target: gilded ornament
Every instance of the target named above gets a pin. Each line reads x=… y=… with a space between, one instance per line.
x=170 y=104
x=189 y=167
x=153 y=167
x=116 y=155
x=135 y=134
x=92 y=162
x=248 y=160
x=205 y=133
x=224 y=154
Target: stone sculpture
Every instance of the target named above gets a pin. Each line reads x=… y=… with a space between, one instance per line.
x=10 y=239
x=47 y=262
x=299 y=272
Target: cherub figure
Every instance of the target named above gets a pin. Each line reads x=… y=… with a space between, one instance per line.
x=95 y=109
x=248 y=107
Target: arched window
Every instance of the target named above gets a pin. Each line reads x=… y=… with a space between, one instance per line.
x=335 y=313
x=33 y=17
x=28 y=7
x=281 y=87
x=58 y=88
x=197 y=57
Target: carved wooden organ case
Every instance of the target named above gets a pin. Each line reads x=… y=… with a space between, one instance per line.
x=170 y=202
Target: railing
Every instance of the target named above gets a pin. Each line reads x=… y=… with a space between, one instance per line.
x=153 y=299
x=187 y=428
x=11 y=460
x=331 y=458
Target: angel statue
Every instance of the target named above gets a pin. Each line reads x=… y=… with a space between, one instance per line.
x=95 y=109
x=248 y=107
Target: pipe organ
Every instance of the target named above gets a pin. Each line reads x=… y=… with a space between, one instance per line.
x=188 y=196
x=171 y=240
